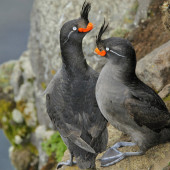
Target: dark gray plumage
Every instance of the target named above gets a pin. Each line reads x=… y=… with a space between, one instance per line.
x=70 y=98
x=126 y=102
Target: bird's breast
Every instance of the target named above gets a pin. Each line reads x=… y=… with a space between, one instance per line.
x=110 y=93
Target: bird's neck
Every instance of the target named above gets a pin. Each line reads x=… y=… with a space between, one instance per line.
x=73 y=57
x=124 y=75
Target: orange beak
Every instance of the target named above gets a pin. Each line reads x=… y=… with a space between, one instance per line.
x=102 y=53
x=87 y=29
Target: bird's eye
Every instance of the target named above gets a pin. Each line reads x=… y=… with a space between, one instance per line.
x=107 y=48
x=74 y=28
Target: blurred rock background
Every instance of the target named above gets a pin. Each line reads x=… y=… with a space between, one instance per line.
x=23 y=117
x=14 y=32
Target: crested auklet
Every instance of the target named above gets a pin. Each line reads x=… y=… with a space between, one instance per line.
x=70 y=97
x=126 y=102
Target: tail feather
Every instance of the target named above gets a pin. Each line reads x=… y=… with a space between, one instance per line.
x=86 y=163
x=81 y=143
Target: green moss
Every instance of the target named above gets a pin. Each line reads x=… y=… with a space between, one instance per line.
x=21 y=106
x=33 y=149
x=167 y=98
x=11 y=129
x=119 y=32
x=54 y=145
x=43 y=85
x=134 y=8
x=28 y=146
x=5 y=74
x=5 y=110
x=128 y=20
x=31 y=80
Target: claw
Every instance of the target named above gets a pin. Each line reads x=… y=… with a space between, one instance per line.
x=67 y=163
x=112 y=155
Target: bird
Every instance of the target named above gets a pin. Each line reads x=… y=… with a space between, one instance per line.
x=126 y=102
x=70 y=97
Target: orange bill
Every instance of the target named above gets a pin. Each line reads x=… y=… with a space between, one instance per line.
x=87 y=29
x=102 y=53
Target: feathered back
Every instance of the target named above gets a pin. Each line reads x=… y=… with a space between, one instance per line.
x=102 y=30
x=85 y=10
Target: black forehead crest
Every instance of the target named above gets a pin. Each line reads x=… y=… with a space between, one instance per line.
x=85 y=10
x=102 y=30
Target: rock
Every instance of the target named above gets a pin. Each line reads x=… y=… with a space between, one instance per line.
x=16 y=78
x=17 y=116
x=154 y=159
x=18 y=139
x=166 y=15
x=30 y=114
x=165 y=92
x=165 y=95
x=22 y=73
x=142 y=11
x=50 y=164
x=10 y=151
x=22 y=79
x=4 y=119
x=154 y=68
x=40 y=104
x=6 y=70
x=23 y=159
x=25 y=93
x=37 y=139
x=40 y=134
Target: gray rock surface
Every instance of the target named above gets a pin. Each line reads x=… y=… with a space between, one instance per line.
x=37 y=138
x=165 y=95
x=165 y=92
x=22 y=79
x=49 y=16
x=142 y=11
x=154 y=68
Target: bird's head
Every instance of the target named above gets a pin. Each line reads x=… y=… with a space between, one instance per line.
x=75 y=30
x=119 y=51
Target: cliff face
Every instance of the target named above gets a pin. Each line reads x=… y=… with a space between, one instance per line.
x=23 y=115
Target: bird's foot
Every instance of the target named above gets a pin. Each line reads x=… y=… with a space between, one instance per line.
x=112 y=155
x=67 y=163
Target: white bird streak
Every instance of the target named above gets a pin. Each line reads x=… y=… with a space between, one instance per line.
x=117 y=53
x=68 y=37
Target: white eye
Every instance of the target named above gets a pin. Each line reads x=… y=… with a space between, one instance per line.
x=107 y=48
x=74 y=28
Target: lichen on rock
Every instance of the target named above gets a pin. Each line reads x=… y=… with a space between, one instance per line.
x=24 y=159
x=17 y=116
